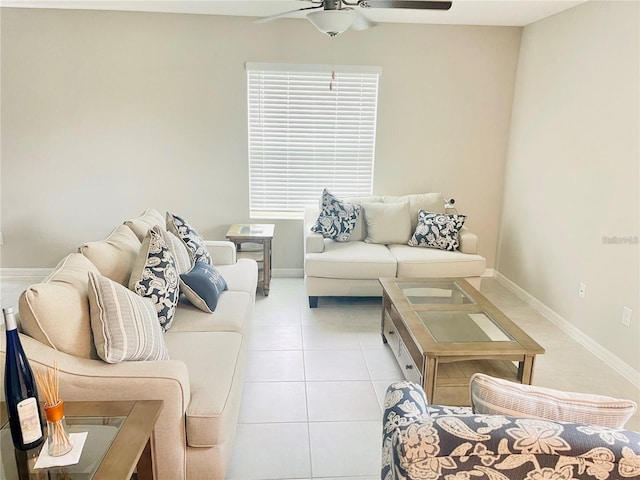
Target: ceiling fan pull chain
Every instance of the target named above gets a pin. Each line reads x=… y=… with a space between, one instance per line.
x=333 y=70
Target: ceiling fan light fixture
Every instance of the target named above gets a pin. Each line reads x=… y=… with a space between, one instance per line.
x=332 y=22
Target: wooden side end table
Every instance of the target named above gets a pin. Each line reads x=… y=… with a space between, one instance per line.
x=118 y=443
x=261 y=235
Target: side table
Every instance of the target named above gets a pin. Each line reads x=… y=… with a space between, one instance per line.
x=117 y=444
x=260 y=236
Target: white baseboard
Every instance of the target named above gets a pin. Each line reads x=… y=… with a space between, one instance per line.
x=623 y=368
x=24 y=272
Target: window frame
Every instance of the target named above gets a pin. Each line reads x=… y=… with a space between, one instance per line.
x=291 y=146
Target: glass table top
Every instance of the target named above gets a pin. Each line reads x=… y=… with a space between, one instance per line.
x=463 y=327
x=443 y=292
x=102 y=431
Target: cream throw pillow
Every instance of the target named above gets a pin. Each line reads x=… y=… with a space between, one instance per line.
x=114 y=256
x=125 y=325
x=496 y=396
x=387 y=222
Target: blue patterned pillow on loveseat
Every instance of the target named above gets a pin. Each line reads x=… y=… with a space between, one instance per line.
x=437 y=230
x=337 y=219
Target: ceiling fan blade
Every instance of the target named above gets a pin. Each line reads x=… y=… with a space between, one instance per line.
x=284 y=14
x=412 y=4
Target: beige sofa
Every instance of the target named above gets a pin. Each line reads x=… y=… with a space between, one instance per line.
x=352 y=268
x=201 y=384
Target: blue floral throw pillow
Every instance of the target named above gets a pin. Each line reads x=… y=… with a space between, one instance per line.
x=337 y=219
x=437 y=230
x=194 y=242
x=202 y=285
x=155 y=276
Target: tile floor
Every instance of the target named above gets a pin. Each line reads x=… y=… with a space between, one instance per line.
x=316 y=377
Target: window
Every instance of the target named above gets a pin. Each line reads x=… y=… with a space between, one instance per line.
x=305 y=136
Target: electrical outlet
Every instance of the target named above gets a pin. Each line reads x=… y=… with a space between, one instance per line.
x=626 y=316
x=582 y=291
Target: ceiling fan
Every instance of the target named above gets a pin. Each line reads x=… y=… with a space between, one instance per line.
x=335 y=16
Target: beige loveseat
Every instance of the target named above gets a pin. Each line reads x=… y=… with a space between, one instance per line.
x=378 y=247
x=201 y=383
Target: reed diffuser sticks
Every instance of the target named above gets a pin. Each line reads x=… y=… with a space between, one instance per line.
x=59 y=441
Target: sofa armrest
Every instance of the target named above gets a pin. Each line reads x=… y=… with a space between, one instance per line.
x=404 y=403
x=313 y=242
x=222 y=252
x=83 y=379
x=88 y=379
x=500 y=447
x=468 y=241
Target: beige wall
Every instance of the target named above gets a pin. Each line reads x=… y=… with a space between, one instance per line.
x=107 y=113
x=573 y=171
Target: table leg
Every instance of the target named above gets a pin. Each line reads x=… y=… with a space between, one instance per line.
x=429 y=380
x=525 y=370
x=267 y=266
x=145 y=464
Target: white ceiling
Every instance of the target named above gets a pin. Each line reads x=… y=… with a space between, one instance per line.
x=463 y=12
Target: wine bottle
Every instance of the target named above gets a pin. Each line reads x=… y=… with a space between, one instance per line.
x=21 y=395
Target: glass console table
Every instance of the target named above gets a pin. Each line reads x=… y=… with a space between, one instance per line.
x=117 y=443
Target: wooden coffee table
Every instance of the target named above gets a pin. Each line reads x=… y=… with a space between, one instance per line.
x=442 y=331
x=118 y=443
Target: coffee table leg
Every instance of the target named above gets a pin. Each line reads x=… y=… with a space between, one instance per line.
x=145 y=464
x=525 y=370
x=431 y=371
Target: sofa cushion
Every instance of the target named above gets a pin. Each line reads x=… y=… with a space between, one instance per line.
x=125 y=325
x=431 y=262
x=178 y=250
x=154 y=276
x=387 y=222
x=432 y=202
x=337 y=219
x=354 y=260
x=62 y=295
x=234 y=313
x=114 y=256
x=496 y=396
x=142 y=224
x=202 y=285
x=215 y=364
x=190 y=237
x=437 y=230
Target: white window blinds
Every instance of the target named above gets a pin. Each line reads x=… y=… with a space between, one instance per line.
x=305 y=136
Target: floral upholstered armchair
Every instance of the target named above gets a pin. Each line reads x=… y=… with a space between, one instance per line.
x=422 y=441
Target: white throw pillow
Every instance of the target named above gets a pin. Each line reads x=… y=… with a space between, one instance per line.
x=125 y=325
x=496 y=396
x=387 y=222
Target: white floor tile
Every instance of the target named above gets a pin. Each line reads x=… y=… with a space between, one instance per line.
x=330 y=337
x=327 y=365
x=345 y=449
x=342 y=401
x=270 y=451
x=382 y=364
x=278 y=313
x=271 y=402
x=275 y=366
x=276 y=337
